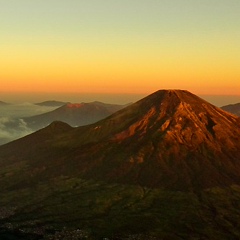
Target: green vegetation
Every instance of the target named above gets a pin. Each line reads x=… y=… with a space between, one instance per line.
x=159 y=169
x=110 y=210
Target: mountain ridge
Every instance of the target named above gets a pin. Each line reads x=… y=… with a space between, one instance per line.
x=51 y=103
x=166 y=167
x=148 y=136
x=232 y=108
x=75 y=114
x=3 y=103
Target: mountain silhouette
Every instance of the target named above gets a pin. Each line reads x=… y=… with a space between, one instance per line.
x=232 y=108
x=165 y=167
x=75 y=114
x=175 y=136
x=180 y=139
x=3 y=103
x=51 y=103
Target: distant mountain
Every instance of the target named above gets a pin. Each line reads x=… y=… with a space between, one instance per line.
x=166 y=167
x=3 y=103
x=232 y=108
x=167 y=125
x=77 y=114
x=51 y=103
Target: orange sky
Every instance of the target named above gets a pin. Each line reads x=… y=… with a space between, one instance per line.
x=91 y=46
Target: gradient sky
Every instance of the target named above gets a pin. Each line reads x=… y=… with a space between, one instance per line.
x=127 y=46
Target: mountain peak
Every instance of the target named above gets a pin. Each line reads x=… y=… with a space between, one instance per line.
x=171 y=91
x=175 y=156
x=170 y=139
x=59 y=124
x=174 y=94
x=74 y=105
x=178 y=112
x=173 y=134
x=57 y=127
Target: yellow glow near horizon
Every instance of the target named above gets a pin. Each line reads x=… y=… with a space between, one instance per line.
x=139 y=53
x=117 y=70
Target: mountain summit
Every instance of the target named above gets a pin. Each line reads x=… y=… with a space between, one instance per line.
x=74 y=114
x=170 y=139
x=166 y=167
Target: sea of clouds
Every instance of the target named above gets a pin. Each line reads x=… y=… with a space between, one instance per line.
x=12 y=125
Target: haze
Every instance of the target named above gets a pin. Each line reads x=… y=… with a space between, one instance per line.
x=217 y=100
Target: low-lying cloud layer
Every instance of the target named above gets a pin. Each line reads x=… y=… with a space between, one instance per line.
x=12 y=126
x=11 y=129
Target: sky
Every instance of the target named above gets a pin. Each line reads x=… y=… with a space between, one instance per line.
x=119 y=47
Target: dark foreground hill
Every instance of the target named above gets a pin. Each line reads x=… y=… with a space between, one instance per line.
x=77 y=114
x=166 y=167
x=232 y=108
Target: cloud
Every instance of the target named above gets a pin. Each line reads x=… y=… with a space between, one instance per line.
x=22 y=110
x=11 y=129
x=12 y=126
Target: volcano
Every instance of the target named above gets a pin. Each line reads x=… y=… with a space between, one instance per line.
x=75 y=114
x=170 y=139
x=171 y=147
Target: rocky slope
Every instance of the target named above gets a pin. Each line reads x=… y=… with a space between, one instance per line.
x=180 y=139
x=166 y=167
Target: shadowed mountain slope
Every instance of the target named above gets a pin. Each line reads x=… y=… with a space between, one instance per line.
x=171 y=139
x=3 y=103
x=51 y=103
x=77 y=114
x=166 y=167
x=232 y=108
